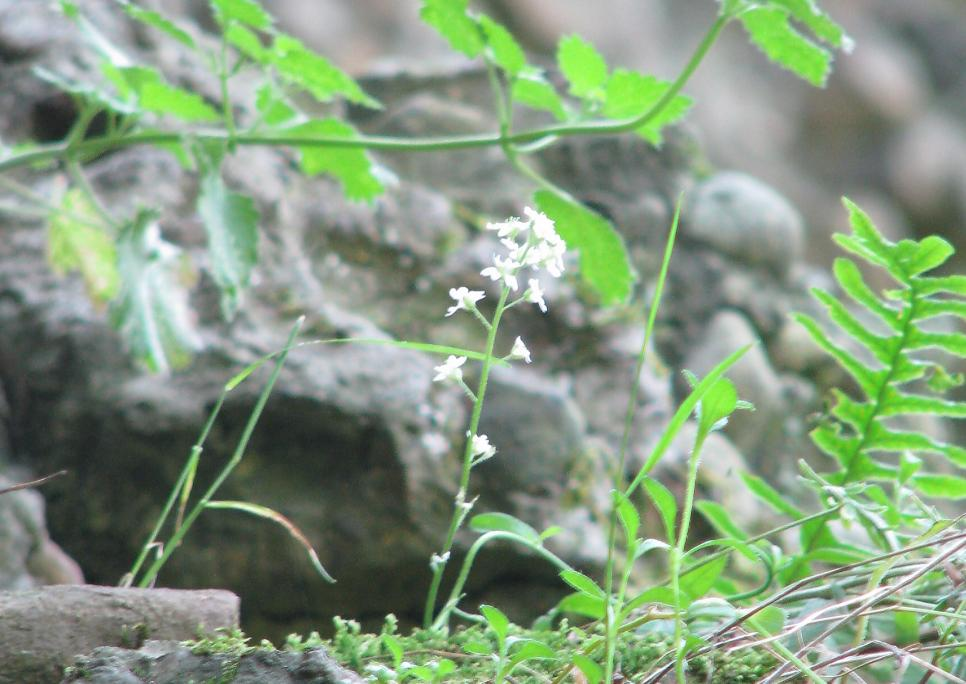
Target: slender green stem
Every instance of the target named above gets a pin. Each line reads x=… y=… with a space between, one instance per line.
x=459 y=510
x=94 y=146
x=235 y=459
x=226 y=113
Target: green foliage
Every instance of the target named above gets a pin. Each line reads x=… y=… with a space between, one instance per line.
x=582 y=66
x=351 y=166
x=151 y=309
x=860 y=429
x=78 y=240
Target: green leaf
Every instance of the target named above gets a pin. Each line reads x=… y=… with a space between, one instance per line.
x=231 y=225
x=817 y=21
x=163 y=98
x=506 y=51
x=716 y=405
x=849 y=277
x=717 y=515
x=532 y=89
x=604 y=262
x=582 y=66
x=627 y=515
x=660 y=595
x=881 y=347
x=770 y=496
x=582 y=583
x=272 y=105
x=930 y=253
x=582 y=604
x=699 y=581
x=630 y=94
x=768 y=621
x=78 y=240
x=503 y=522
x=664 y=502
x=593 y=673
x=769 y=29
x=395 y=649
x=531 y=650
x=646 y=545
x=276 y=517
x=157 y=21
x=907 y=627
x=941 y=486
x=247 y=12
x=867 y=378
x=350 y=165
x=312 y=72
x=450 y=19
x=497 y=621
x=248 y=43
x=152 y=311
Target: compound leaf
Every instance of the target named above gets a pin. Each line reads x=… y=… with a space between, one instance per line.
x=350 y=165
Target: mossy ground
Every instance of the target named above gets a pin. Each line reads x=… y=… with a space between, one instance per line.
x=368 y=654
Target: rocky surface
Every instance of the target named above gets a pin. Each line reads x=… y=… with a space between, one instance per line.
x=168 y=662
x=357 y=446
x=41 y=630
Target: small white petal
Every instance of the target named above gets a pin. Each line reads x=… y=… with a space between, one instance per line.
x=520 y=351
x=534 y=294
x=450 y=370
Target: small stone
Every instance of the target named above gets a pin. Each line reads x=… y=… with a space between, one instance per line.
x=742 y=217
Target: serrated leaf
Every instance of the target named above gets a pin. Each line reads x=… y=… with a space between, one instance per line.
x=630 y=94
x=533 y=90
x=157 y=21
x=78 y=240
x=248 y=43
x=163 y=98
x=941 y=486
x=582 y=583
x=450 y=19
x=699 y=581
x=350 y=165
x=770 y=496
x=604 y=263
x=272 y=105
x=817 y=21
x=582 y=66
x=769 y=29
x=231 y=226
x=504 y=522
x=506 y=51
x=497 y=621
x=276 y=517
x=664 y=502
x=720 y=520
x=315 y=74
x=151 y=310
x=247 y=12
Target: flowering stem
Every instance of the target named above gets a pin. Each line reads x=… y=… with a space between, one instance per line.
x=459 y=510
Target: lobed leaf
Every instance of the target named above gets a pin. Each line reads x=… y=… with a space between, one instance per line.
x=818 y=22
x=351 y=166
x=532 y=89
x=768 y=28
x=604 y=262
x=582 y=66
x=157 y=21
x=631 y=94
x=504 y=48
x=164 y=98
x=850 y=279
x=312 y=72
x=450 y=19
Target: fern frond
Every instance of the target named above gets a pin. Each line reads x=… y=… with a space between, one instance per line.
x=855 y=434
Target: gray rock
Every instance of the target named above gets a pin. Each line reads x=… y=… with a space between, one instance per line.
x=745 y=219
x=757 y=434
x=168 y=662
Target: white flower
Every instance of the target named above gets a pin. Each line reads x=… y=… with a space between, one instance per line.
x=437 y=560
x=542 y=226
x=450 y=370
x=519 y=351
x=465 y=299
x=509 y=228
x=534 y=294
x=503 y=269
x=482 y=449
x=547 y=255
